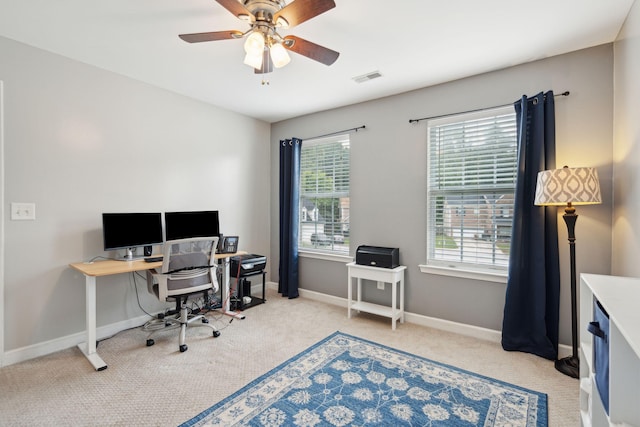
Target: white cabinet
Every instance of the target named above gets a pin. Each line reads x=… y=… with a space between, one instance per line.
x=395 y=276
x=620 y=297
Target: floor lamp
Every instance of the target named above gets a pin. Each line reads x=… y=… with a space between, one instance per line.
x=569 y=187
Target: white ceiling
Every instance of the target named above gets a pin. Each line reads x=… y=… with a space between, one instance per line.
x=412 y=43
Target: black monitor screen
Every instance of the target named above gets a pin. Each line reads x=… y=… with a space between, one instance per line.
x=184 y=225
x=129 y=230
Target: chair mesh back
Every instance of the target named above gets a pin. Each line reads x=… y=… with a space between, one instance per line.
x=190 y=263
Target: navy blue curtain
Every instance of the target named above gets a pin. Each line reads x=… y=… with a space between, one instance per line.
x=531 y=310
x=289 y=215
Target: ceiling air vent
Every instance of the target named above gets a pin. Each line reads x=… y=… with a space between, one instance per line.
x=366 y=77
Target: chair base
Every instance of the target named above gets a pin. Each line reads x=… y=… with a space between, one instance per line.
x=184 y=320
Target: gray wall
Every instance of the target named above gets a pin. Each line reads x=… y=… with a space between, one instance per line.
x=626 y=149
x=388 y=181
x=80 y=141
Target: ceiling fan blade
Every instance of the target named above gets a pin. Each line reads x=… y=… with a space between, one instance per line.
x=235 y=7
x=212 y=36
x=311 y=50
x=299 y=11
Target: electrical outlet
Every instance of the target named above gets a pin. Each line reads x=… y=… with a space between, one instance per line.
x=23 y=211
x=381 y=285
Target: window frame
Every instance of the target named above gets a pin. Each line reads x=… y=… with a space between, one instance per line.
x=321 y=251
x=432 y=265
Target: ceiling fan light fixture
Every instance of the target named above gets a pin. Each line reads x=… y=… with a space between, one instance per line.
x=267 y=64
x=254 y=45
x=264 y=47
x=279 y=55
x=253 y=60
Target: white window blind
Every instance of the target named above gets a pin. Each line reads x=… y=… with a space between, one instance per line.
x=472 y=164
x=324 y=195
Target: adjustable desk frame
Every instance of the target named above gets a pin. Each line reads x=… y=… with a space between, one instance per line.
x=110 y=267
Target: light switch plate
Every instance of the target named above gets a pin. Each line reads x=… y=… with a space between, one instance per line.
x=23 y=211
x=381 y=285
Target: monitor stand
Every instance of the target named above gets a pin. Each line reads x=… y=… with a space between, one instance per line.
x=131 y=255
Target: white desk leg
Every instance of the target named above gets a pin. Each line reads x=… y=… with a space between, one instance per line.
x=89 y=348
x=225 y=285
x=359 y=291
x=226 y=280
x=394 y=309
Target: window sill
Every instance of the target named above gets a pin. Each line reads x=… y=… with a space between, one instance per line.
x=325 y=256
x=466 y=274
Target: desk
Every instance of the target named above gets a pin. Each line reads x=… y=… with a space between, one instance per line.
x=377 y=274
x=110 y=267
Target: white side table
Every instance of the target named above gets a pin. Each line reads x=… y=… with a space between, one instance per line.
x=377 y=274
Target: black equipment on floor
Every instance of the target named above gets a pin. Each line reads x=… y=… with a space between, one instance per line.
x=243 y=267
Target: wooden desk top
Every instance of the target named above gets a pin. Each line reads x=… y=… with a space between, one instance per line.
x=110 y=266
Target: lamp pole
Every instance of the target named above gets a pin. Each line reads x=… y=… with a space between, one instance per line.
x=571 y=365
x=565 y=187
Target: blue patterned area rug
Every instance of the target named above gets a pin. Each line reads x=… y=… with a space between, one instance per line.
x=348 y=381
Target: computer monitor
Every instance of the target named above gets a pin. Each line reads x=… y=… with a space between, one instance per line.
x=131 y=230
x=184 y=225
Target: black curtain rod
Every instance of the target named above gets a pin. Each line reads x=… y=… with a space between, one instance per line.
x=335 y=133
x=565 y=93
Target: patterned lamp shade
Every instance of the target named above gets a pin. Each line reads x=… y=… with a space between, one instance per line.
x=568 y=186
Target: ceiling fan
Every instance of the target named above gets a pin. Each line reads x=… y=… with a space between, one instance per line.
x=264 y=47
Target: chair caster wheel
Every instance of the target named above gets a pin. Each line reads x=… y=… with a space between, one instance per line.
x=183 y=348
x=150 y=342
x=216 y=333
x=205 y=320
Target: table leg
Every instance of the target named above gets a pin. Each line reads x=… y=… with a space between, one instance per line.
x=349 y=295
x=226 y=279
x=394 y=309
x=402 y=299
x=224 y=293
x=89 y=348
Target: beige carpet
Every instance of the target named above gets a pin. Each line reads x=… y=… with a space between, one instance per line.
x=159 y=386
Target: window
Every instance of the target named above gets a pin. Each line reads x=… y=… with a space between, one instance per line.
x=324 y=195
x=472 y=164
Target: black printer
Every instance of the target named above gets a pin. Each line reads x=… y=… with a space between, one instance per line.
x=376 y=256
x=247 y=264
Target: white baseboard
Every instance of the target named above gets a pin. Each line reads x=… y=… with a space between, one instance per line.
x=42 y=349
x=431 y=322
x=48 y=347
x=418 y=319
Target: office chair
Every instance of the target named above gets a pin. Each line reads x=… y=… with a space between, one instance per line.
x=188 y=269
